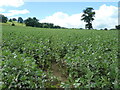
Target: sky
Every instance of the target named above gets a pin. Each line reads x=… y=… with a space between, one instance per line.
x=66 y=14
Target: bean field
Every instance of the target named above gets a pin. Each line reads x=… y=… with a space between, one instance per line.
x=58 y=58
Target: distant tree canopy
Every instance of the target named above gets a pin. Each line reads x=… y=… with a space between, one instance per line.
x=10 y=20
x=87 y=17
x=3 y=19
x=20 y=20
x=105 y=29
x=47 y=25
x=34 y=22
x=14 y=19
x=117 y=27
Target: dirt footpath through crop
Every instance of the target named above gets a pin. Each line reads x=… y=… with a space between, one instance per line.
x=59 y=71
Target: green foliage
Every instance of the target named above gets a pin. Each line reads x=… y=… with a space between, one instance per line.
x=33 y=22
x=90 y=58
x=14 y=19
x=10 y=20
x=3 y=19
x=20 y=20
x=13 y=24
x=117 y=27
x=20 y=71
x=87 y=17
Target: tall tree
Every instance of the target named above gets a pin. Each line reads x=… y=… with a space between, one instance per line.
x=20 y=20
x=88 y=17
x=3 y=19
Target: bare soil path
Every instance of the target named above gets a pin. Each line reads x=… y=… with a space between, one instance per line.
x=59 y=71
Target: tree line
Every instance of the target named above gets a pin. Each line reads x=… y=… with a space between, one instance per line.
x=33 y=22
x=87 y=17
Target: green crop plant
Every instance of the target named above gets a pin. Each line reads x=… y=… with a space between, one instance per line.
x=85 y=58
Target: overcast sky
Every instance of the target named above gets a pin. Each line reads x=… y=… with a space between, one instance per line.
x=65 y=14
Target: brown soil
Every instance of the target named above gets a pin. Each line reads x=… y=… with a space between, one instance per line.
x=59 y=71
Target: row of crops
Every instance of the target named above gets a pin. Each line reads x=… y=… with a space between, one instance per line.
x=46 y=58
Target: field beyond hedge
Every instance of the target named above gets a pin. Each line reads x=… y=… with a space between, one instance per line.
x=59 y=58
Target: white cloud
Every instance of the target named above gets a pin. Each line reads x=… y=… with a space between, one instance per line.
x=65 y=20
x=2 y=10
x=106 y=17
x=13 y=3
x=15 y=12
